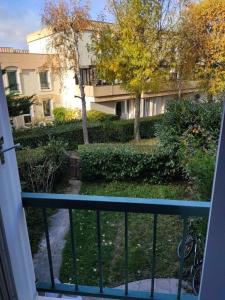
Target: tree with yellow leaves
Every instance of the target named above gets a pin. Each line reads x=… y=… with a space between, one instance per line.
x=67 y=21
x=203 y=35
x=133 y=50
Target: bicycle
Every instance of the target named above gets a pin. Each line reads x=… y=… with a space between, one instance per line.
x=193 y=244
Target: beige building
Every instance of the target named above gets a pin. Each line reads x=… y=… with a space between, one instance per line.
x=100 y=96
x=23 y=74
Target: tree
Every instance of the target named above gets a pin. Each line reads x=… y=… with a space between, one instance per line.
x=67 y=21
x=19 y=105
x=133 y=50
x=203 y=32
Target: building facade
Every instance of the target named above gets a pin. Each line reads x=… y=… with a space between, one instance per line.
x=99 y=95
x=23 y=73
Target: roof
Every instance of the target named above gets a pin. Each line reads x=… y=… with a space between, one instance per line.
x=44 y=32
x=22 y=60
x=12 y=50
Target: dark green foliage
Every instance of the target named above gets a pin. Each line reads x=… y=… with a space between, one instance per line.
x=19 y=105
x=189 y=132
x=72 y=134
x=200 y=170
x=40 y=167
x=39 y=170
x=125 y=161
x=189 y=120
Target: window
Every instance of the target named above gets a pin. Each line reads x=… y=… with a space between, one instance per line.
x=12 y=81
x=47 y=108
x=86 y=76
x=27 y=119
x=44 y=80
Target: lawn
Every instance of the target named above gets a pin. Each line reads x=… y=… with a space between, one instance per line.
x=140 y=237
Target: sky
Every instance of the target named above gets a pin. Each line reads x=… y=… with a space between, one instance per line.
x=20 y=17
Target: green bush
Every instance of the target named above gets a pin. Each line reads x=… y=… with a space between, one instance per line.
x=125 y=161
x=98 y=116
x=71 y=133
x=39 y=168
x=62 y=114
x=189 y=120
x=199 y=169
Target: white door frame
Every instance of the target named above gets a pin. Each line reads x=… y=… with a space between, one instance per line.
x=12 y=212
x=213 y=275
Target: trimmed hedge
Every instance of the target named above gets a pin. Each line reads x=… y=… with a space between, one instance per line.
x=124 y=162
x=72 y=134
x=199 y=169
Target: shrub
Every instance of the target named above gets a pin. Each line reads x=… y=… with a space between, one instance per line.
x=98 y=116
x=39 y=167
x=62 y=114
x=125 y=161
x=72 y=134
x=39 y=170
x=197 y=121
x=199 y=169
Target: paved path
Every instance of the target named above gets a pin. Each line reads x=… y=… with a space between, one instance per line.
x=58 y=228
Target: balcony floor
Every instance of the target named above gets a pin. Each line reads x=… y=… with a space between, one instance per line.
x=162 y=285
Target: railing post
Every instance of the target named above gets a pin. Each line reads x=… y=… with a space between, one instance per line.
x=213 y=276
x=13 y=218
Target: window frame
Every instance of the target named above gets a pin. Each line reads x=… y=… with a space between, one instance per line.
x=48 y=77
x=18 y=81
x=50 y=108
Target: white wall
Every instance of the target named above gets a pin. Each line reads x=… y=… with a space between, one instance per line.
x=13 y=213
x=42 y=46
x=70 y=90
x=106 y=107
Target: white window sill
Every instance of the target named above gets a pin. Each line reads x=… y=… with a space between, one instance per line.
x=46 y=90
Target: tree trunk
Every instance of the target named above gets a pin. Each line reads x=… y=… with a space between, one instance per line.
x=84 y=113
x=137 y=136
x=82 y=95
x=209 y=97
x=179 y=85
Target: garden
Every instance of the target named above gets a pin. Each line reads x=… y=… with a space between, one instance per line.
x=174 y=160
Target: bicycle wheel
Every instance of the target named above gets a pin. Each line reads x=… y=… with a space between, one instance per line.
x=196 y=280
x=188 y=247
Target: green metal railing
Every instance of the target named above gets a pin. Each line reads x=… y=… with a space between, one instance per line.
x=184 y=209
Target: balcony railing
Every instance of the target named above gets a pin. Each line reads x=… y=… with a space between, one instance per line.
x=104 y=91
x=183 y=209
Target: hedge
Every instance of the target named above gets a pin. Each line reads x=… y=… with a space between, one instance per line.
x=124 y=162
x=199 y=170
x=71 y=133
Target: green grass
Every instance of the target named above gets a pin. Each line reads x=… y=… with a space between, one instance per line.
x=140 y=237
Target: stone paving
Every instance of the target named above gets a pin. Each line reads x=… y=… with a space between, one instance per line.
x=58 y=228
